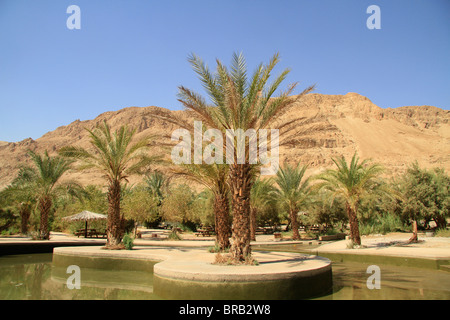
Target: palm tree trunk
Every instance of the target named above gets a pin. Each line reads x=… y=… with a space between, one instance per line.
x=25 y=212
x=414 y=237
x=240 y=185
x=252 y=224
x=45 y=203
x=222 y=215
x=294 y=222
x=354 y=227
x=114 y=231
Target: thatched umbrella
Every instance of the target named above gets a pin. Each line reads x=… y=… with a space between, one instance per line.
x=85 y=216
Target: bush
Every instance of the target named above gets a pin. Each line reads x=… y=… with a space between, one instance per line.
x=128 y=241
x=382 y=224
x=173 y=235
x=8 y=222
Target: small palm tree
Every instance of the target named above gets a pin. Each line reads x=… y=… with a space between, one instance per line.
x=260 y=197
x=116 y=157
x=214 y=177
x=156 y=184
x=43 y=181
x=351 y=182
x=292 y=192
x=21 y=193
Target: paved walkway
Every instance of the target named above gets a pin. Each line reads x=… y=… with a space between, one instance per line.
x=394 y=244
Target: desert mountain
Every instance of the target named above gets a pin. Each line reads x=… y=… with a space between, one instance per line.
x=338 y=125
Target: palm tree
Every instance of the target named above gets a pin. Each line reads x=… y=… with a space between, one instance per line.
x=260 y=196
x=156 y=184
x=214 y=177
x=21 y=193
x=292 y=192
x=351 y=182
x=116 y=157
x=238 y=102
x=43 y=181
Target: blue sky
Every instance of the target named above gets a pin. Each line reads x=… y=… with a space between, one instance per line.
x=134 y=53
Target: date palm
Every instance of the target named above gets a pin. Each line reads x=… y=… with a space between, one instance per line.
x=351 y=182
x=21 y=194
x=117 y=157
x=214 y=177
x=43 y=181
x=246 y=103
x=261 y=195
x=292 y=192
x=157 y=185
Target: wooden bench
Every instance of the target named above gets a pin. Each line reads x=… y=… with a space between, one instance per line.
x=101 y=234
x=259 y=230
x=204 y=233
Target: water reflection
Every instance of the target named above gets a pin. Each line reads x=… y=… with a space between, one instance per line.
x=397 y=283
x=32 y=277
x=25 y=277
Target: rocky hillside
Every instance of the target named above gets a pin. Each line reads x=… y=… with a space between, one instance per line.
x=337 y=125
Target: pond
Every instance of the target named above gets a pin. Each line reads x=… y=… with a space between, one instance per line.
x=32 y=276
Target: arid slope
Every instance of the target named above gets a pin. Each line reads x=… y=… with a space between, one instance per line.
x=339 y=125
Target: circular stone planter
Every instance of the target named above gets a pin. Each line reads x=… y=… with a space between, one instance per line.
x=310 y=278
x=189 y=274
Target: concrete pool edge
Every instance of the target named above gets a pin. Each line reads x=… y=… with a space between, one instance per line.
x=190 y=274
x=396 y=256
x=40 y=246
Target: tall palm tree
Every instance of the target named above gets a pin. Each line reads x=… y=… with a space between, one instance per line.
x=43 y=180
x=239 y=102
x=292 y=192
x=351 y=182
x=116 y=157
x=214 y=177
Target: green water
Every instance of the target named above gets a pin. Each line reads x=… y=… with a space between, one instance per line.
x=396 y=283
x=24 y=277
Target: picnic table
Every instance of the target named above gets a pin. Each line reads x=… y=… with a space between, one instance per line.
x=264 y=230
x=204 y=232
x=90 y=233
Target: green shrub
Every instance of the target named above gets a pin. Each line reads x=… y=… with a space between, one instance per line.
x=382 y=224
x=173 y=235
x=128 y=241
